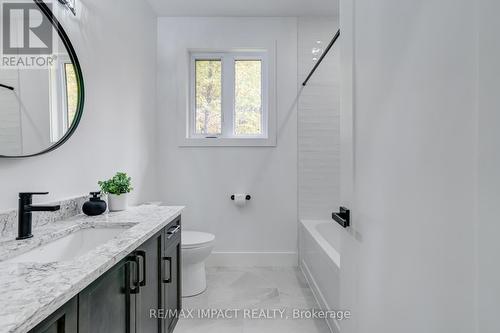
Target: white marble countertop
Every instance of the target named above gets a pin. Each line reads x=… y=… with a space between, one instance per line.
x=33 y=291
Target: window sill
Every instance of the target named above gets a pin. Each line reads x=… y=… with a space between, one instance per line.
x=227 y=142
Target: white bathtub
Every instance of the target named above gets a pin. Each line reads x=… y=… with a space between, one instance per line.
x=319 y=260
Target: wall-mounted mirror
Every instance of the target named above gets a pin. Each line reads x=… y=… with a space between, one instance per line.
x=41 y=83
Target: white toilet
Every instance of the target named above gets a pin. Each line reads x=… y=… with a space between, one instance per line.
x=196 y=247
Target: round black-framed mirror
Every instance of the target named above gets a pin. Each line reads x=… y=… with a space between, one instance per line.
x=36 y=123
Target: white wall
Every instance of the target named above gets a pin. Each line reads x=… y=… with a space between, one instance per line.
x=204 y=178
x=31 y=118
x=319 y=116
x=117 y=49
x=414 y=175
x=34 y=92
x=10 y=120
x=488 y=228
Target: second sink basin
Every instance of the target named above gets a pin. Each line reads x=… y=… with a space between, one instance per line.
x=69 y=247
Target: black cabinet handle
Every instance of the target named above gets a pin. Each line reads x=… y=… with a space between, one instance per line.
x=172 y=232
x=142 y=254
x=169 y=259
x=135 y=288
x=343 y=217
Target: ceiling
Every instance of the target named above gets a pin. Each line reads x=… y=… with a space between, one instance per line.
x=245 y=7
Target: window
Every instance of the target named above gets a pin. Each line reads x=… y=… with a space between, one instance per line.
x=63 y=97
x=229 y=97
x=208 y=99
x=248 y=97
x=71 y=93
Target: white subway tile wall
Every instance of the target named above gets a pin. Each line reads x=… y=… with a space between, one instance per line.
x=319 y=120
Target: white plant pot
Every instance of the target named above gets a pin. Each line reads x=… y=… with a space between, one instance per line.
x=117 y=203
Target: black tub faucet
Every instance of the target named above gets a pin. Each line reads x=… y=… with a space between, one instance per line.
x=26 y=208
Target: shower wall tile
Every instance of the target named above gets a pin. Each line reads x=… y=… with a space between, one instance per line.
x=319 y=122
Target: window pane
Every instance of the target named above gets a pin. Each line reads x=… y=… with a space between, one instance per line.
x=208 y=118
x=248 y=97
x=71 y=92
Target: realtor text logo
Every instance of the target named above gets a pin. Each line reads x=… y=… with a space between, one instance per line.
x=25 y=29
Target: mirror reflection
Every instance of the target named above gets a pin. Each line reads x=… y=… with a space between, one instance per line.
x=39 y=93
x=38 y=106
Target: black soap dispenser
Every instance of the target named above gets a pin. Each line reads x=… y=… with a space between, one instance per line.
x=95 y=206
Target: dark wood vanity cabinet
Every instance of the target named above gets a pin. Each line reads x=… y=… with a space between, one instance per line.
x=149 y=295
x=106 y=305
x=159 y=295
x=64 y=320
x=135 y=296
x=172 y=279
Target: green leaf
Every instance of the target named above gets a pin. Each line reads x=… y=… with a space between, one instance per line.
x=121 y=183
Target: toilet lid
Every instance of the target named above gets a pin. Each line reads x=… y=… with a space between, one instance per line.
x=190 y=239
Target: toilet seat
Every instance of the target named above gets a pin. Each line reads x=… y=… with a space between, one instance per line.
x=195 y=239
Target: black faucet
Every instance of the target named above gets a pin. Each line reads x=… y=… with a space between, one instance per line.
x=25 y=209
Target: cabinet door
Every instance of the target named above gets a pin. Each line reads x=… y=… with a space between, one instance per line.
x=148 y=300
x=172 y=278
x=64 y=320
x=108 y=304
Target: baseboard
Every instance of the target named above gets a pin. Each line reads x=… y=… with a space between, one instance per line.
x=318 y=295
x=252 y=259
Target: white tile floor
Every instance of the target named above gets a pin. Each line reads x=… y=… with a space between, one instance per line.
x=253 y=288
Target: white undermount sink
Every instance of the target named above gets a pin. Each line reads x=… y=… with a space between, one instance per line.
x=68 y=247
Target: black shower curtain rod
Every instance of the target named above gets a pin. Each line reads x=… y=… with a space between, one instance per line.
x=6 y=87
x=337 y=35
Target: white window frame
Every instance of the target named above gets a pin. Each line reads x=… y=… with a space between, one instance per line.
x=58 y=98
x=227 y=137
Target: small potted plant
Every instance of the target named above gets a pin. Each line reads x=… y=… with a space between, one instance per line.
x=117 y=189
